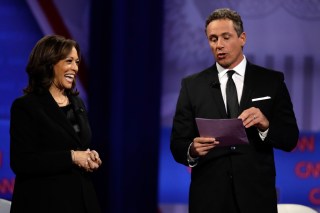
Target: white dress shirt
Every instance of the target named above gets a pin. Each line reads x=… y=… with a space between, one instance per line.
x=238 y=78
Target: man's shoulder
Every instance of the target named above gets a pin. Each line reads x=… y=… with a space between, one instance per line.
x=264 y=72
x=203 y=74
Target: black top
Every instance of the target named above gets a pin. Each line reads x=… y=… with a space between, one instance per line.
x=69 y=112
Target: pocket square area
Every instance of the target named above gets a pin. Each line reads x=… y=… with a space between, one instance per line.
x=261 y=98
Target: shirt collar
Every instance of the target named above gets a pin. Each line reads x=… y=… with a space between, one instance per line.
x=240 y=68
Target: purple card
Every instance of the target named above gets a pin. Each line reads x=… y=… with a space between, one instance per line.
x=228 y=132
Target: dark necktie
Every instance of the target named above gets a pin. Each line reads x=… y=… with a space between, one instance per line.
x=232 y=97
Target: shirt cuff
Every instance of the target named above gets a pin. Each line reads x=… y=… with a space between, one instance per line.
x=263 y=134
x=191 y=161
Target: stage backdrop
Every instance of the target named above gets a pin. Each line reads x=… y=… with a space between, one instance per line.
x=283 y=35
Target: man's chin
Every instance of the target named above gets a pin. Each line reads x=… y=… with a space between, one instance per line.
x=224 y=64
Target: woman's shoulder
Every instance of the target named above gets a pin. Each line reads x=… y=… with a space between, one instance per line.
x=29 y=100
x=75 y=99
x=25 y=98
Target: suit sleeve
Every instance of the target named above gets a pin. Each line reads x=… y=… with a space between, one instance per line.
x=184 y=127
x=283 y=130
x=26 y=156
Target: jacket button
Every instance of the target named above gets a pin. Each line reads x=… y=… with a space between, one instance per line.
x=233 y=148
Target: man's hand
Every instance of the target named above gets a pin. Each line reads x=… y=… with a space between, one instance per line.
x=254 y=117
x=201 y=146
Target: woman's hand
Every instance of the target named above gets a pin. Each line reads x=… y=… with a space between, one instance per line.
x=89 y=160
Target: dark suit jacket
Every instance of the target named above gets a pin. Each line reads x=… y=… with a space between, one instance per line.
x=249 y=170
x=41 y=140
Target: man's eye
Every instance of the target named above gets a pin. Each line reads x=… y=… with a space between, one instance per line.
x=213 y=39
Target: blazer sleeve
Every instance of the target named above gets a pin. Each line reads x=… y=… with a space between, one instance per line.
x=184 y=127
x=26 y=157
x=283 y=130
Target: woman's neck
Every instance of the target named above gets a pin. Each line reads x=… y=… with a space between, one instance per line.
x=59 y=96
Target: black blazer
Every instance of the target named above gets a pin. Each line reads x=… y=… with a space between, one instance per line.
x=41 y=140
x=250 y=168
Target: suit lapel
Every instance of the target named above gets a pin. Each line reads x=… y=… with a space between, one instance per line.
x=81 y=115
x=57 y=115
x=248 y=87
x=212 y=79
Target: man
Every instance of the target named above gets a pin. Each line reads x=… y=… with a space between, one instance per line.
x=239 y=178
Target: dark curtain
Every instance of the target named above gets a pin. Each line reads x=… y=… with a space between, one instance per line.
x=124 y=101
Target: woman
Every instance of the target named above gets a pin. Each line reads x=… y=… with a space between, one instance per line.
x=50 y=135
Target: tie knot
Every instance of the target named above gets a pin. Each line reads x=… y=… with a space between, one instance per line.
x=230 y=73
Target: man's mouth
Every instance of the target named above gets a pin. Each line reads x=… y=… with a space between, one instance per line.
x=221 y=55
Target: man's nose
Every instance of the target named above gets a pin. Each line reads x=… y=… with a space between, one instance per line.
x=220 y=44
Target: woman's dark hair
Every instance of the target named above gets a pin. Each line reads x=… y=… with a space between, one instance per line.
x=226 y=13
x=47 y=52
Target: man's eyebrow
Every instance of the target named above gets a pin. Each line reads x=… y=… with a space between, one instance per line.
x=226 y=33
x=222 y=34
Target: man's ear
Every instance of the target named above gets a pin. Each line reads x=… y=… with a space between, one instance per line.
x=243 y=38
